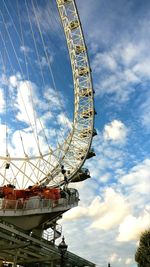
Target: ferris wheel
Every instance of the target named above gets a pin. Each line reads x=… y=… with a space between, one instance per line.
x=27 y=157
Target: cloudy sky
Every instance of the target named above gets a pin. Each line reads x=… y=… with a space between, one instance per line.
x=114 y=203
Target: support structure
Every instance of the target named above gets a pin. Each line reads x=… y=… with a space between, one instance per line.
x=33 y=250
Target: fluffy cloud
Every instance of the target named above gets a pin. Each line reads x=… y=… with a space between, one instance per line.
x=130 y=53
x=118 y=212
x=42 y=14
x=13 y=80
x=109 y=213
x=24 y=102
x=54 y=99
x=128 y=261
x=63 y=120
x=25 y=49
x=116 y=73
x=113 y=257
x=43 y=62
x=137 y=180
x=32 y=113
x=131 y=227
x=104 y=61
x=16 y=147
x=104 y=214
x=115 y=131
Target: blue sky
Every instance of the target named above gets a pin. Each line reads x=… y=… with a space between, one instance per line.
x=114 y=204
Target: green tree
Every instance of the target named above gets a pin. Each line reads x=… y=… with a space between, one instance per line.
x=142 y=255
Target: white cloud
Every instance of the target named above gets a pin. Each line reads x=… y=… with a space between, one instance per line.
x=33 y=113
x=102 y=61
x=128 y=261
x=75 y=213
x=105 y=178
x=115 y=131
x=43 y=15
x=110 y=212
x=131 y=53
x=63 y=120
x=113 y=257
x=46 y=117
x=25 y=49
x=54 y=98
x=44 y=62
x=3 y=80
x=137 y=180
x=104 y=214
x=131 y=227
x=17 y=146
x=24 y=102
x=28 y=102
x=118 y=212
x=142 y=68
x=13 y=80
x=119 y=70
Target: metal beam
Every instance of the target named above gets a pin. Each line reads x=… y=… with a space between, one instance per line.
x=31 y=249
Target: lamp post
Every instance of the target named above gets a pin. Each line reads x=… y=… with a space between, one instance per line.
x=62 y=248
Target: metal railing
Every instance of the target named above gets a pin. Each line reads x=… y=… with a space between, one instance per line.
x=38 y=203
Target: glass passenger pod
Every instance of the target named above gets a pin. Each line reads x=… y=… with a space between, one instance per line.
x=81 y=154
x=82 y=175
x=83 y=71
x=80 y=49
x=86 y=132
x=85 y=92
x=74 y=25
x=87 y=113
x=91 y=153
